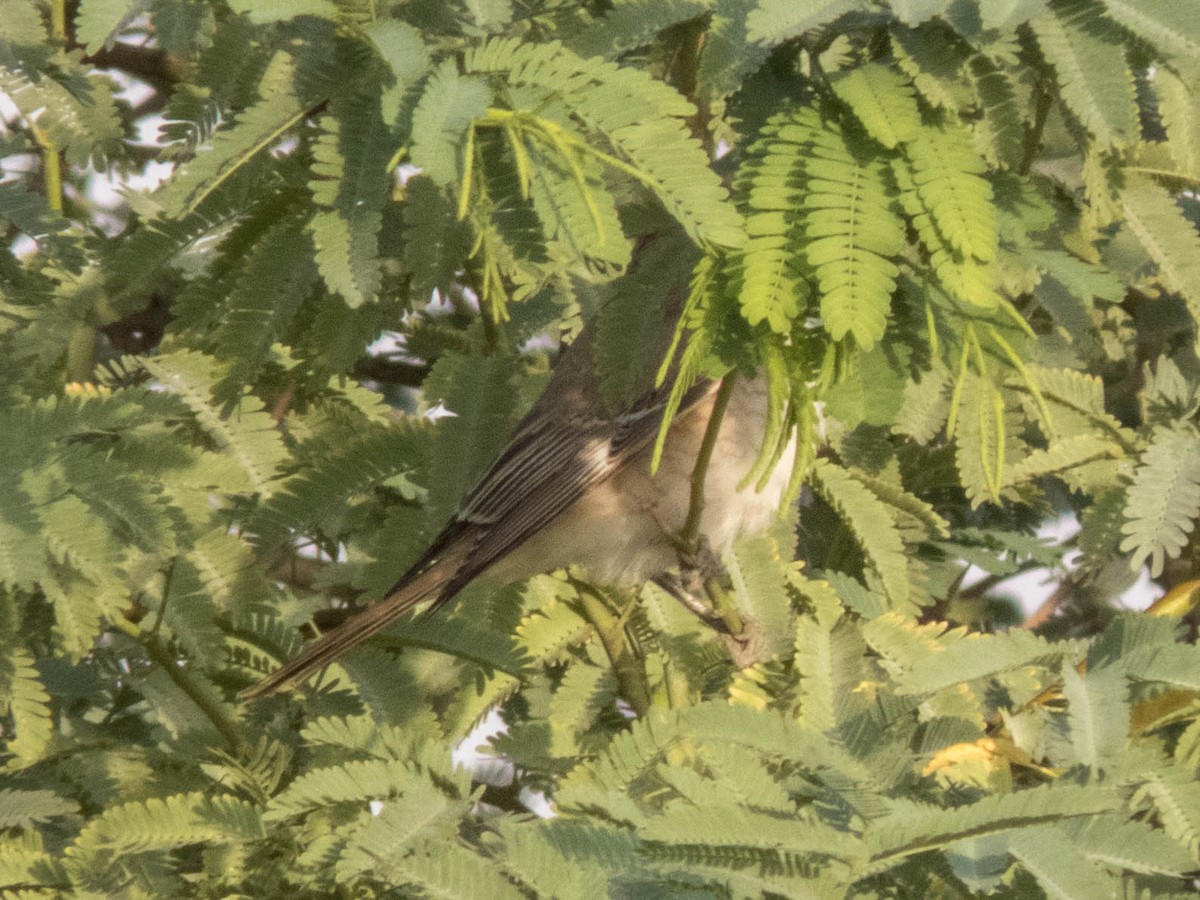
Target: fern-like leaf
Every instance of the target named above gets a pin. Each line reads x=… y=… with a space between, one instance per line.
x=247 y=439
x=448 y=106
x=776 y=20
x=278 y=276
x=1174 y=27
x=350 y=185
x=1089 y=64
x=883 y=101
x=1098 y=713
x=24 y=698
x=1181 y=119
x=851 y=231
x=641 y=117
x=773 y=287
x=1163 y=502
x=870 y=521
x=22 y=808
x=965 y=277
x=732 y=826
x=1061 y=868
x=277 y=112
x=165 y=823
x=628 y=26
x=1116 y=843
x=947 y=176
x=352 y=782
x=977 y=656
x=915 y=828
x=1168 y=237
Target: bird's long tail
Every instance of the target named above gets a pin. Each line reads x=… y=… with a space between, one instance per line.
x=430 y=583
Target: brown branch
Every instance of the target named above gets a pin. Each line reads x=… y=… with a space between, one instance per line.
x=1049 y=606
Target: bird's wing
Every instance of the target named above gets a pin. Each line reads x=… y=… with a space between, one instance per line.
x=548 y=465
x=545 y=468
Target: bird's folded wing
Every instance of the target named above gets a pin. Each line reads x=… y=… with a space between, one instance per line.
x=548 y=465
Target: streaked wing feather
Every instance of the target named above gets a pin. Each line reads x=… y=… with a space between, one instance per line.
x=546 y=467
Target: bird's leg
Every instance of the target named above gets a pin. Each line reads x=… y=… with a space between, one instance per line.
x=701 y=574
x=681 y=588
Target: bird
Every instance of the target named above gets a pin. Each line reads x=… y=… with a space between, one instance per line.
x=574 y=486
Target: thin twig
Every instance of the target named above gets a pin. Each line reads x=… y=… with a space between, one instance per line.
x=1049 y=607
x=627 y=669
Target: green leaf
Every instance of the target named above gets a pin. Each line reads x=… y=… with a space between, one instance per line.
x=577 y=210
x=968 y=657
x=1175 y=796
x=436 y=243
x=350 y=184
x=1090 y=68
x=1168 y=237
x=21 y=561
x=450 y=871
x=278 y=275
x=357 y=781
x=248 y=438
x=448 y=106
x=283 y=10
x=851 y=231
x=883 y=101
x=421 y=813
x=24 y=698
x=1163 y=501
x=926 y=405
x=757 y=568
x=776 y=20
x=277 y=112
x=1181 y=117
x=871 y=523
x=22 y=808
x=1063 y=871
x=1098 y=713
x=733 y=826
x=1172 y=26
x=28 y=211
x=946 y=175
x=943 y=173
x=97 y=21
x=773 y=286
x=912 y=828
x=1118 y=844
x=628 y=26
x=1001 y=131
x=164 y=823
x=640 y=116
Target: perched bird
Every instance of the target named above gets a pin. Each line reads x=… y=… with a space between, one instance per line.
x=574 y=486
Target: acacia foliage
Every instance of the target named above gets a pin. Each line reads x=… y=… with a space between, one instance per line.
x=968 y=229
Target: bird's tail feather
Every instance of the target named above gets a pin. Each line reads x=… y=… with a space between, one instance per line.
x=332 y=644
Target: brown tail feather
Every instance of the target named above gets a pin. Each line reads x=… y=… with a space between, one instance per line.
x=357 y=629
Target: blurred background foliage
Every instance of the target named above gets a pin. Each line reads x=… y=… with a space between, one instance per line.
x=256 y=252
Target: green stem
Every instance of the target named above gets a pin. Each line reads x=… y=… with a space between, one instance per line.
x=689 y=534
x=631 y=678
x=58 y=19
x=212 y=709
x=81 y=352
x=51 y=161
x=1033 y=134
x=162 y=656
